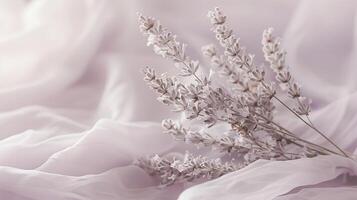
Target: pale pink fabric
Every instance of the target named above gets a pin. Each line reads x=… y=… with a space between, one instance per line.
x=75 y=112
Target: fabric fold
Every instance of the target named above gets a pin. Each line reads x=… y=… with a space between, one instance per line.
x=270 y=179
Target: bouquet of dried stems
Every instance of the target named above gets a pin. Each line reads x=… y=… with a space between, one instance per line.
x=246 y=104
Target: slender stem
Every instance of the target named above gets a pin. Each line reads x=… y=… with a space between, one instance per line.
x=271 y=148
x=308 y=119
x=310 y=125
x=183 y=62
x=307 y=115
x=284 y=134
x=313 y=127
x=197 y=78
x=287 y=132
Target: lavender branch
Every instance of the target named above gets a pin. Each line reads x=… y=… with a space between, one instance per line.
x=273 y=54
x=224 y=144
x=165 y=44
x=188 y=169
x=276 y=57
x=246 y=108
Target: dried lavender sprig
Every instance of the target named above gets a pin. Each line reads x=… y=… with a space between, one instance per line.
x=167 y=88
x=275 y=55
x=238 y=62
x=225 y=144
x=196 y=100
x=232 y=49
x=233 y=143
x=252 y=101
x=165 y=44
x=239 y=66
x=189 y=169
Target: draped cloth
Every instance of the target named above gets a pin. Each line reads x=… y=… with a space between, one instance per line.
x=75 y=112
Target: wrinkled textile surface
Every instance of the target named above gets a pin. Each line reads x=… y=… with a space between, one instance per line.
x=75 y=112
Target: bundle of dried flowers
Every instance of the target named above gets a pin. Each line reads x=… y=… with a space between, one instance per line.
x=247 y=105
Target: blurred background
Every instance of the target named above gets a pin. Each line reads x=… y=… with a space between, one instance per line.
x=61 y=53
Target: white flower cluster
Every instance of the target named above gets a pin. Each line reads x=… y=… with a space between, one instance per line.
x=247 y=109
x=164 y=44
x=276 y=57
x=188 y=169
x=226 y=143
